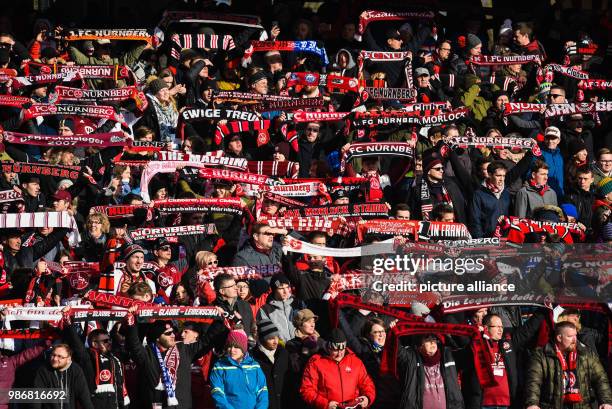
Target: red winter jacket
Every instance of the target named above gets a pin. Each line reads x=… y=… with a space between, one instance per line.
x=326 y=380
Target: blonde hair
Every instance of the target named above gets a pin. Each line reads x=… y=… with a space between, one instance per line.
x=202 y=258
x=103 y=219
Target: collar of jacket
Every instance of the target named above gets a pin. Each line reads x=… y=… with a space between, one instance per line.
x=278 y=304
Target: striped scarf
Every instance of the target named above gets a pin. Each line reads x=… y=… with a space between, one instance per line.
x=210 y=41
x=427 y=201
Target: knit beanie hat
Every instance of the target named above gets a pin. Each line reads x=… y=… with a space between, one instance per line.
x=238 y=338
x=131 y=249
x=430 y=159
x=156 y=85
x=505 y=27
x=472 y=41
x=277 y=280
x=605 y=186
x=570 y=210
x=337 y=340
x=266 y=329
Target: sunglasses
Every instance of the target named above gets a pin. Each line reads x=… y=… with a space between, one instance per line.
x=554 y=95
x=312 y=129
x=168 y=333
x=438 y=168
x=164 y=248
x=210 y=263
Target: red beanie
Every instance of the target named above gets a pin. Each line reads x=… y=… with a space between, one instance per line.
x=239 y=339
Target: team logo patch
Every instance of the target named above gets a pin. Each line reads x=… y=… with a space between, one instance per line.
x=105 y=375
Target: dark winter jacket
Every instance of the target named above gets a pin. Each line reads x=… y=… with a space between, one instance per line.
x=583 y=201
x=275 y=375
x=249 y=256
x=544 y=386
x=243 y=308
x=72 y=380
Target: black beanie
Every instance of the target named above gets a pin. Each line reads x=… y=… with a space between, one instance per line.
x=156 y=85
x=337 y=340
x=156 y=329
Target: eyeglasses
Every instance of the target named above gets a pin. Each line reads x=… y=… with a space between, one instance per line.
x=211 y=262
x=438 y=168
x=267 y=233
x=312 y=129
x=168 y=333
x=229 y=286
x=164 y=248
x=605 y=161
x=554 y=95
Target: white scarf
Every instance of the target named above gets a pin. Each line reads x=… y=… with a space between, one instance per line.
x=267 y=352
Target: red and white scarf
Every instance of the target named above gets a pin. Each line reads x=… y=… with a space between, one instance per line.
x=92 y=111
x=369 y=16
x=571 y=380
x=82 y=34
x=98 y=140
x=595 y=84
x=150 y=233
x=504 y=59
x=308 y=224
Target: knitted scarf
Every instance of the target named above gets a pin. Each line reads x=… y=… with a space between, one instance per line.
x=167 y=117
x=571 y=387
x=369 y=16
x=497 y=191
x=261 y=126
x=427 y=201
x=360 y=210
x=541 y=189
x=595 y=84
x=81 y=34
x=98 y=140
x=295 y=46
x=105 y=371
x=402 y=94
x=211 y=41
x=169 y=371
x=274 y=168
x=504 y=59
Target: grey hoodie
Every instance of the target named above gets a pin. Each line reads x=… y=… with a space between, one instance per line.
x=281 y=313
x=351 y=61
x=528 y=199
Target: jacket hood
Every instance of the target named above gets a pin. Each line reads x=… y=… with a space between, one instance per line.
x=351 y=61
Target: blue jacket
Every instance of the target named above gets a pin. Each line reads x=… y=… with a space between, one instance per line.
x=554 y=160
x=486 y=209
x=238 y=385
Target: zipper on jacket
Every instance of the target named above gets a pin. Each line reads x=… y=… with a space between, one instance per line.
x=341 y=385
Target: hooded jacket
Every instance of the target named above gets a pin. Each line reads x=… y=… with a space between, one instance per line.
x=327 y=380
x=238 y=385
x=351 y=67
x=281 y=313
x=72 y=380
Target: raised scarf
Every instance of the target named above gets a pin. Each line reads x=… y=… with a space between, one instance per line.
x=113 y=300
x=210 y=41
x=62 y=93
x=243 y=272
x=42 y=169
x=567 y=71
x=150 y=233
x=208 y=159
x=504 y=59
x=308 y=46
x=368 y=16
x=274 y=168
x=199 y=114
x=348 y=210
x=82 y=34
x=98 y=140
x=571 y=385
x=169 y=371
x=580 y=108
x=517 y=228
x=290 y=104
x=494 y=142
x=595 y=84
x=401 y=94
x=361 y=149
x=260 y=126
x=29 y=80
x=114 y=72
x=232 y=205
x=308 y=224
x=302 y=116
x=427 y=201
x=91 y=111
x=349 y=300
x=210 y=17
x=299 y=246
x=332 y=81
x=246 y=98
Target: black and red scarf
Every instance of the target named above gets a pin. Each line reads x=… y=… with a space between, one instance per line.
x=541 y=189
x=571 y=386
x=427 y=199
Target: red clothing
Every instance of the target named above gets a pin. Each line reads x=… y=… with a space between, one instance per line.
x=497 y=395
x=326 y=380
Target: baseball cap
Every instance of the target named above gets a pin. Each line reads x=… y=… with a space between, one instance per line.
x=421 y=71
x=62 y=195
x=103 y=41
x=392 y=33
x=553 y=131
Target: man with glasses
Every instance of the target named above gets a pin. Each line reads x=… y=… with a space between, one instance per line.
x=434 y=187
x=103 y=371
x=310 y=148
x=261 y=249
x=62 y=374
x=603 y=166
x=164 y=364
x=576 y=130
x=504 y=347
x=238 y=311
x=167 y=274
x=556 y=95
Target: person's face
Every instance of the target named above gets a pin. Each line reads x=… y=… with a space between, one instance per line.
x=181 y=295
x=187 y=146
x=369 y=165
x=167 y=339
x=319 y=241
x=540 y=177
x=135 y=262
x=211 y=262
x=501 y=101
x=279 y=157
x=207 y=94
x=163 y=94
x=556 y=96
x=495 y=328
x=515 y=68
x=32 y=188
x=498 y=178
x=243 y=290
x=222 y=191
x=429 y=347
x=14 y=243
x=581 y=156
x=479 y=315
x=348 y=31
x=402 y=215
x=423 y=81
x=395 y=43
x=484 y=172
x=101 y=343
x=520 y=39
x=67 y=157
x=189 y=336
x=94 y=225
x=9 y=176
x=341 y=201
x=126 y=174
x=235 y=146
x=269 y=207
x=164 y=252
x=337 y=354
x=264 y=238
x=235 y=353
x=378 y=334
x=576 y=123
x=303 y=30
x=584 y=181
x=312 y=132
x=60 y=205
x=40 y=92
x=261 y=86
x=144 y=297
x=605 y=162
x=567 y=340
x=283 y=292
x=169 y=81
x=343 y=60
x=436 y=173
x=276 y=66
x=476 y=50
x=444 y=51
x=447 y=217
x=229 y=289
x=551 y=141
x=161 y=194
x=270 y=343
x=59 y=358
x=308 y=326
